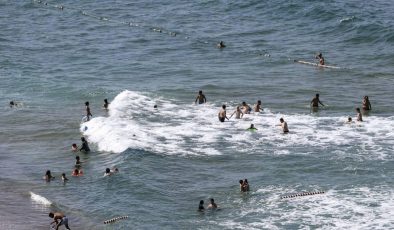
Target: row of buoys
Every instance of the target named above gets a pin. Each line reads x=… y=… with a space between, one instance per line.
x=302 y=194
x=115 y=219
x=154 y=29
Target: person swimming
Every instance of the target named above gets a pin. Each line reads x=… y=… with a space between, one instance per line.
x=349 y=120
x=64 y=178
x=212 y=205
x=201 y=206
x=13 y=104
x=74 y=147
x=78 y=163
x=251 y=128
x=321 y=58
x=48 y=176
x=77 y=172
x=221 y=44
x=107 y=172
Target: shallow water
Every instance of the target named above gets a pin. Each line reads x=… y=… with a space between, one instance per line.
x=142 y=54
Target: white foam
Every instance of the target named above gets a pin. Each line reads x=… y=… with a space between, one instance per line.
x=40 y=199
x=189 y=129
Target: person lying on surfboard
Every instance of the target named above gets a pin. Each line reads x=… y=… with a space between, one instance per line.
x=321 y=58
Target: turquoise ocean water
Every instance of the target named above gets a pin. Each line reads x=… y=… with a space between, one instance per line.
x=55 y=55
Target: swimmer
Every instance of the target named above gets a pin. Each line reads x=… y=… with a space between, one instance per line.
x=221 y=44
x=48 y=176
x=241 y=186
x=366 y=104
x=251 y=128
x=200 y=98
x=283 y=123
x=88 y=113
x=246 y=108
x=238 y=113
x=245 y=185
x=85 y=146
x=107 y=172
x=321 y=58
x=201 y=206
x=105 y=104
x=257 y=108
x=222 y=114
x=115 y=170
x=315 y=102
x=349 y=120
x=13 y=104
x=74 y=147
x=77 y=172
x=77 y=162
x=60 y=219
x=212 y=205
x=64 y=178
x=155 y=106
x=359 y=116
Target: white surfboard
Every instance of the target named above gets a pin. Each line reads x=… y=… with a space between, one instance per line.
x=317 y=65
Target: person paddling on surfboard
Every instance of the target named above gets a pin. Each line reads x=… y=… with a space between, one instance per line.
x=321 y=58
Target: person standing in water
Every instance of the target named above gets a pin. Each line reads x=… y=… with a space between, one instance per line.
x=85 y=146
x=359 y=115
x=212 y=205
x=201 y=206
x=321 y=58
x=106 y=103
x=257 y=108
x=222 y=114
x=88 y=113
x=200 y=98
x=315 y=102
x=221 y=44
x=246 y=108
x=366 y=104
x=283 y=124
x=238 y=113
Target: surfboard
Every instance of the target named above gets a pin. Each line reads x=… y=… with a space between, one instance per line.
x=317 y=65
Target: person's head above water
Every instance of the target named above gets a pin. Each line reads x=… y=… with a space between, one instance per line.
x=358 y=109
x=251 y=126
x=201 y=202
x=259 y=102
x=241 y=181
x=349 y=119
x=212 y=201
x=224 y=106
x=243 y=103
x=317 y=95
x=200 y=92
x=106 y=101
x=281 y=120
x=48 y=173
x=87 y=103
x=107 y=170
x=83 y=139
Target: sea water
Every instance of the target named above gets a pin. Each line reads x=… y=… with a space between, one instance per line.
x=55 y=55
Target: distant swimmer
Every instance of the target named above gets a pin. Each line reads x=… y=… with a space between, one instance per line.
x=108 y=172
x=200 y=98
x=201 y=206
x=13 y=104
x=349 y=120
x=359 y=115
x=283 y=124
x=316 y=101
x=78 y=162
x=74 y=147
x=106 y=104
x=238 y=113
x=257 y=108
x=366 y=104
x=60 y=219
x=221 y=44
x=246 y=108
x=77 y=172
x=246 y=185
x=85 y=146
x=48 y=176
x=212 y=205
x=88 y=113
x=321 y=58
x=251 y=128
x=155 y=106
x=64 y=178
x=222 y=114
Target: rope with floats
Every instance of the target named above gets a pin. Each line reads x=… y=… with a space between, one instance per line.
x=302 y=194
x=115 y=219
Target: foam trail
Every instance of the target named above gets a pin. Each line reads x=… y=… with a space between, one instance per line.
x=40 y=199
x=190 y=129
